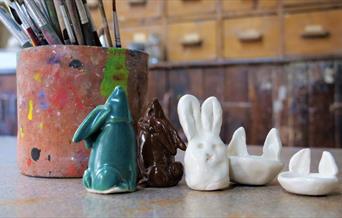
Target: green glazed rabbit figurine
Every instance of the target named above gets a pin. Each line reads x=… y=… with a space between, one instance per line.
x=109 y=133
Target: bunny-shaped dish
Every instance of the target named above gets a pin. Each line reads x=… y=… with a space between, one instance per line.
x=250 y=169
x=299 y=180
x=205 y=160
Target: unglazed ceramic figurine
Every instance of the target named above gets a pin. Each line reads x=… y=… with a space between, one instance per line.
x=300 y=181
x=158 y=142
x=205 y=160
x=250 y=169
x=109 y=133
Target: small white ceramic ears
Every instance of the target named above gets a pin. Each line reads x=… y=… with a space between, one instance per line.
x=299 y=180
x=205 y=161
x=250 y=169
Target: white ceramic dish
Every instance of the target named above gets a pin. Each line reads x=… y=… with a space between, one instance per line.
x=300 y=181
x=251 y=169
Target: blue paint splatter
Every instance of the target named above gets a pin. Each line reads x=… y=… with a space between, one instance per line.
x=42 y=102
x=54 y=59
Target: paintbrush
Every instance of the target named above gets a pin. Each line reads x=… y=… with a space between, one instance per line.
x=75 y=21
x=86 y=26
x=29 y=19
x=47 y=30
x=21 y=19
x=67 y=23
x=116 y=27
x=105 y=24
x=53 y=17
x=57 y=4
x=14 y=28
x=96 y=36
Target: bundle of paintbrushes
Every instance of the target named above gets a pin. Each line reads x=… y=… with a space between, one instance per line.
x=53 y=22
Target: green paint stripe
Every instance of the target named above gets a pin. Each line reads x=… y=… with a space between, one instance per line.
x=115 y=71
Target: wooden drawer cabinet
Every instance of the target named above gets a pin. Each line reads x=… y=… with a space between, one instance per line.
x=248 y=5
x=252 y=37
x=129 y=9
x=134 y=34
x=190 y=7
x=192 y=41
x=313 y=33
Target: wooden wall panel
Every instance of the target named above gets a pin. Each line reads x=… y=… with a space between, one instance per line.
x=281 y=103
x=321 y=96
x=260 y=96
x=236 y=106
x=298 y=100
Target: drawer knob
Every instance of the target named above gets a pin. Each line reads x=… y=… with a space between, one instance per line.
x=250 y=35
x=137 y=2
x=191 y=39
x=315 y=31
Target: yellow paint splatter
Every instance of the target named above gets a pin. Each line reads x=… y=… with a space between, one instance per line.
x=37 y=77
x=21 y=132
x=30 y=110
x=41 y=125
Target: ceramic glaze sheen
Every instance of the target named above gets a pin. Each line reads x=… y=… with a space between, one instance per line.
x=108 y=131
x=158 y=143
x=57 y=87
x=206 y=162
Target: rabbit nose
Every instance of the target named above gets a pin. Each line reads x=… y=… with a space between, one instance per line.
x=208 y=156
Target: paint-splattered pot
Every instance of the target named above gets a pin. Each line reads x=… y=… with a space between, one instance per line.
x=57 y=87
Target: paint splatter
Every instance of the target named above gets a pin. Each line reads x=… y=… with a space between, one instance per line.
x=35 y=154
x=41 y=125
x=21 y=132
x=43 y=104
x=37 y=77
x=76 y=64
x=54 y=59
x=115 y=71
x=30 y=110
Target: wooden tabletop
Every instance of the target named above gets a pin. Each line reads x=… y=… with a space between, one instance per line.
x=22 y=196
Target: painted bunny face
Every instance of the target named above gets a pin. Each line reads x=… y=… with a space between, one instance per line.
x=206 y=162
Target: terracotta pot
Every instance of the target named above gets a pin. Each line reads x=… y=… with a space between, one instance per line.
x=57 y=87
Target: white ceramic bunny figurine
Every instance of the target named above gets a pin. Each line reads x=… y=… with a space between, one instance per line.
x=205 y=160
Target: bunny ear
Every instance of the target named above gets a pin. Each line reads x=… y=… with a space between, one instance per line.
x=237 y=146
x=272 y=145
x=300 y=162
x=211 y=115
x=189 y=114
x=327 y=165
x=91 y=123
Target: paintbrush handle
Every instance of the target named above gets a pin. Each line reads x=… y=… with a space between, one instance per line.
x=53 y=17
x=86 y=26
x=67 y=24
x=75 y=21
x=105 y=24
x=14 y=28
x=116 y=26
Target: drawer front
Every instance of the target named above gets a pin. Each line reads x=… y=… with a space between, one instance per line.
x=252 y=37
x=313 y=33
x=190 y=7
x=192 y=41
x=139 y=34
x=306 y=2
x=129 y=10
x=247 y=5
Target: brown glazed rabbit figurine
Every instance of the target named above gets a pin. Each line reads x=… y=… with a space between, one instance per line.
x=158 y=141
